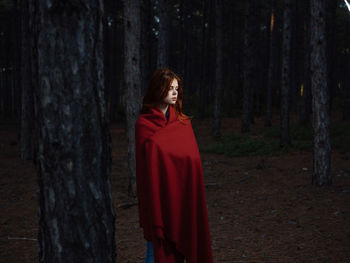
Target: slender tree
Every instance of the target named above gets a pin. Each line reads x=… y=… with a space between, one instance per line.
x=203 y=89
x=146 y=43
x=163 y=34
x=27 y=114
x=331 y=6
x=285 y=86
x=249 y=62
x=76 y=215
x=320 y=95
x=218 y=71
x=306 y=102
x=272 y=60
x=132 y=77
x=346 y=81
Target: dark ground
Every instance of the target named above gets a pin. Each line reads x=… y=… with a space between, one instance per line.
x=261 y=209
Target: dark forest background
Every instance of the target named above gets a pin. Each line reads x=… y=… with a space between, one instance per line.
x=192 y=54
x=72 y=71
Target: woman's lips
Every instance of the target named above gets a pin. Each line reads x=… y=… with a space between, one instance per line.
x=174 y=98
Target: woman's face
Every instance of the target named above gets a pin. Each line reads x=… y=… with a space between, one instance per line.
x=172 y=93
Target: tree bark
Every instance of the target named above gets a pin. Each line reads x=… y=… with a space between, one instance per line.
x=285 y=86
x=320 y=96
x=76 y=215
x=132 y=77
x=218 y=71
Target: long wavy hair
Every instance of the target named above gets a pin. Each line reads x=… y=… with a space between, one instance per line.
x=158 y=89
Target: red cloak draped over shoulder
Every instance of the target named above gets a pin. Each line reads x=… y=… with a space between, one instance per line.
x=170 y=186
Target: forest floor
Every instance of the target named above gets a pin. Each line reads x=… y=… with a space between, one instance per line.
x=260 y=208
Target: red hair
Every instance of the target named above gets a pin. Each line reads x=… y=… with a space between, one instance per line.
x=158 y=89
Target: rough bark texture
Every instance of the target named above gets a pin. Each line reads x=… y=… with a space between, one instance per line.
x=272 y=55
x=76 y=215
x=27 y=115
x=249 y=63
x=163 y=36
x=320 y=96
x=218 y=71
x=285 y=85
x=132 y=77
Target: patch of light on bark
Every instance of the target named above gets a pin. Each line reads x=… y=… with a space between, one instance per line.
x=46 y=98
x=66 y=109
x=69 y=165
x=56 y=234
x=52 y=199
x=75 y=67
x=94 y=191
x=71 y=187
x=80 y=38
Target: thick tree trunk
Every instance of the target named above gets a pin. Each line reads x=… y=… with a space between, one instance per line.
x=163 y=36
x=320 y=96
x=27 y=115
x=76 y=216
x=132 y=77
x=249 y=63
x=218 y=71
x=285 y=86
x=272 y=60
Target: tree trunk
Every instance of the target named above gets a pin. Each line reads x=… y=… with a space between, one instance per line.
x=76 y=215
x=203 y=89
x=27 y=115
x=13 y=78
x=146 y=44
x=331 y=49
x=249 y=63
x=218 y=67
x=320 y=96
x=163 y=36
x=285 y=86
x=346 y=81
x=346 y=88
x=306 y=100
x=132 y=77
x=272 y=55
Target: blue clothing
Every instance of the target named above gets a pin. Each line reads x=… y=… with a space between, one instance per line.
x=149 y=253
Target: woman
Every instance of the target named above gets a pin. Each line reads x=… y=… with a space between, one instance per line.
x=169 y=177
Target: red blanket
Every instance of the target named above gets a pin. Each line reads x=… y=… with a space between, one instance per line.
x=170 y=185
